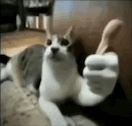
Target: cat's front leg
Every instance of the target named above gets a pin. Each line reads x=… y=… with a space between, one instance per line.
x=100 y=75
x=52 y=112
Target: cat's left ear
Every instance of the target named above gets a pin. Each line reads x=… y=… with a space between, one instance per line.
x=69 y=35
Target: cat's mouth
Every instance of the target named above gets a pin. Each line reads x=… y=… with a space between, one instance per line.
x=55 y=57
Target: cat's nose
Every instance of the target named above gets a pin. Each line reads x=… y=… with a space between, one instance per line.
x=54 y=50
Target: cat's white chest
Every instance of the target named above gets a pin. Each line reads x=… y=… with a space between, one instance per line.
x=58 y=84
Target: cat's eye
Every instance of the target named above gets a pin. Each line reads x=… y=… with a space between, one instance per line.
x=49 y=42
x=64 y=42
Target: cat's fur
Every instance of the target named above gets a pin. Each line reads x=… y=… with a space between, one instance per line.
x=24 y=68
x=60 y=79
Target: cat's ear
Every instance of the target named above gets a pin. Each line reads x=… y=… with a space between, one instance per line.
x=69 y=35
x=49 y=36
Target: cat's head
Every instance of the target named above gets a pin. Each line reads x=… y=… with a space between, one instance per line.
x=58 y=47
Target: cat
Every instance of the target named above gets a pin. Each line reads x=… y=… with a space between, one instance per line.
x=58 y=75
x=60 y=79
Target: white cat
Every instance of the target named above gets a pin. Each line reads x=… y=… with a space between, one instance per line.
x=60 y=79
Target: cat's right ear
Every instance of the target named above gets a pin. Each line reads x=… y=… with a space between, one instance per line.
x=49 y=36
x=69 y=35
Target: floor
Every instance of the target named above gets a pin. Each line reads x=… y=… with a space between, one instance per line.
x=14 y=42
x=18 y=108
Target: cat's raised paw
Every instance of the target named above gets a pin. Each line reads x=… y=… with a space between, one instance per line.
x=101 y=72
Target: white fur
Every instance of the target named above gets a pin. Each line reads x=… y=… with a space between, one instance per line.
x=5 y=71
x=58 y=76
x=60 y=80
